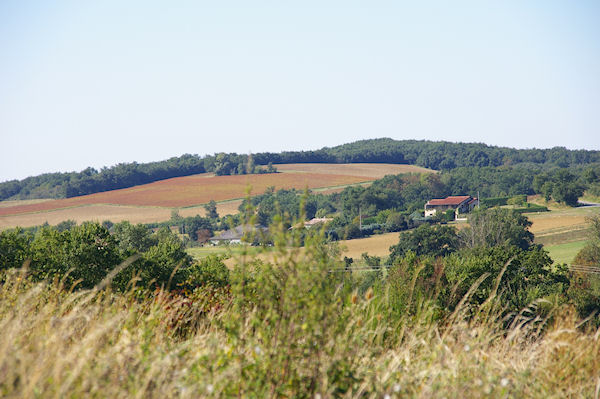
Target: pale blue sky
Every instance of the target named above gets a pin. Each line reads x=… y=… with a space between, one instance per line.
x=94 y=83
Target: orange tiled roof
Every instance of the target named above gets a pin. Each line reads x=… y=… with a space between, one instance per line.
x=452 y=200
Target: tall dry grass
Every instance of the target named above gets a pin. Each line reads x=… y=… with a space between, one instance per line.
x=288 y=340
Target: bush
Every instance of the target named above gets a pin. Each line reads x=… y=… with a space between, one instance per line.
x=425 y=240
x=209 y=271
x=14 y=248
x=494 y=201
x=82 y=255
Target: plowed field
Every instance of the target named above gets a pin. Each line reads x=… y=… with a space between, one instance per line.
x=192 y=190
x=153 y=202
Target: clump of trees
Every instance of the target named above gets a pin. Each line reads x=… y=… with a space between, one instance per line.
x=494 y=256
x=82 y=256
x=586 y=281
x=561 y=186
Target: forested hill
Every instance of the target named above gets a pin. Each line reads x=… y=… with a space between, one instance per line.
x=435 y=155
x=440 y=155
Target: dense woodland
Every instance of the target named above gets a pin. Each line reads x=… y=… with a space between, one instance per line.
x=443 y=156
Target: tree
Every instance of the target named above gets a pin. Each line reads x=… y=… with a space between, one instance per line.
x=133 y=238
x=585 y=287
x=164 y=262
x=211 y=210
x=14 y=248
x=522 y=275
x=83 y=254
x=192 y=225
x=439 y=240
x=208 y=271
x=496 y=227
x=590 y=254
x=566 y=189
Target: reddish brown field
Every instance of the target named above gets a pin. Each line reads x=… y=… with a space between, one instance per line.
x=153 y=202
x=192 y=190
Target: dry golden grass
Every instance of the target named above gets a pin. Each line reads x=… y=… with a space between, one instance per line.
x=114 y=213
x=193 y=190
x=564 y=219
x=57 y=344
x=376 y=245
x=373 y=170
x=5 y=204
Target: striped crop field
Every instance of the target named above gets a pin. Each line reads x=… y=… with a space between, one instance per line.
x=155 y=200
x=561 y=220
x=371 y=170
x=192 y=190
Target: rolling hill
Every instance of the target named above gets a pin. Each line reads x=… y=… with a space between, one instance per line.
x=154 y=201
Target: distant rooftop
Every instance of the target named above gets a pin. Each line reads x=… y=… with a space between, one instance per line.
x=452 y=200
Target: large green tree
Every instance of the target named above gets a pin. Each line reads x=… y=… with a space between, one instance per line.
x=83 y=255
x=496 y=227
x=439 y=240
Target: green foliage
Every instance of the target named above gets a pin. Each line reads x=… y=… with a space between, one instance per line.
x=395 y=221
x=14 y=248
x=192 y=225
x=435 y=155
x=566 y=189
x=133 y=238
x=296 y=312
x=494 y=201
x=436 y=240
x=283 y=204
x=163 y=264
x=208 y=271
x=585 y=291
x=562 y=185
x=66 y=225
x=496 y=227
x=531 y=208
x=517 y=276
x=211 y=210
x=517 y=200
x=84 y=254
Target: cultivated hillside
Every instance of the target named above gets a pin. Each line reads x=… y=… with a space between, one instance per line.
x=429 y=154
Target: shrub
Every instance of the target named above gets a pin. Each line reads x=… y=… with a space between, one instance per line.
x=208 y=271
x=426 y=240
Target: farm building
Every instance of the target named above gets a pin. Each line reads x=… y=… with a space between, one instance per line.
x=318 y=222
x=460 y=204
x=238 y=234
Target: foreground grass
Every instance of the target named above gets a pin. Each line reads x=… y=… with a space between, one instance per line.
x=57 y=343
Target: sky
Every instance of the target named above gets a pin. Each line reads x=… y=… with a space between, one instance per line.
x=95 y=83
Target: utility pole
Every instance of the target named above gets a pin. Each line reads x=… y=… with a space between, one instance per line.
x=359 y=218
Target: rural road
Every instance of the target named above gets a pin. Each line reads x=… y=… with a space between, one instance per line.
x=585 y=203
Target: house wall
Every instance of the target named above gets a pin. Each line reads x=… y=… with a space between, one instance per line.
x=465 y=207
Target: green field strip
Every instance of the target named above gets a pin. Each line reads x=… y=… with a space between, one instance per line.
x=561 y=238
x=565 y=252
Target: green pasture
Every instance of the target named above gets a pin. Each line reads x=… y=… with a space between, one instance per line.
x=232 y=250
x=566 y=252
